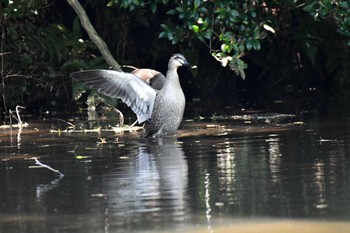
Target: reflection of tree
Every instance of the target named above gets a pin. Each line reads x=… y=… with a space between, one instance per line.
x=286 y=174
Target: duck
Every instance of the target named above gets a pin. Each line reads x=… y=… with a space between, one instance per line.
x=157 y=100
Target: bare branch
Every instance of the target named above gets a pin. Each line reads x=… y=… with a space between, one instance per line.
x=101 y=45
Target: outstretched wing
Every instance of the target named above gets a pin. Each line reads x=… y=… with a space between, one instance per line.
x=134 y=92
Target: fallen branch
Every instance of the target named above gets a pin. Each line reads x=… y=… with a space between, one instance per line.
x=17 y=117
x=131 y=128
x=64 y=121
x=37 y=162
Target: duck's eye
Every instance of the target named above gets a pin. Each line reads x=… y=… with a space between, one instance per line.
x=180 y=59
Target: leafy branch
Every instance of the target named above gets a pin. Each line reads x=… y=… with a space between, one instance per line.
x=231 y=29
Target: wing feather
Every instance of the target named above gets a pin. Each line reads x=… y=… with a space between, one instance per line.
x=134 y=92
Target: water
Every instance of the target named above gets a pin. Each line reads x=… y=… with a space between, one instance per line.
x=220 y=176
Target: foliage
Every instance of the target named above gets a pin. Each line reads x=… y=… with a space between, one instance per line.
x=289 y=45
x=37 y=56
x=231 y=29
x=228 y=28
x=339 y=11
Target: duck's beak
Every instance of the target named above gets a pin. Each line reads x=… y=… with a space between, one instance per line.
x=186 y=63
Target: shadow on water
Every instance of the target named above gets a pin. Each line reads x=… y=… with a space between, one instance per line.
x=215 y=177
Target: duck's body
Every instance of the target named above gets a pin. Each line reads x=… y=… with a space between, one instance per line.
x=161 y=109
x=168 y=111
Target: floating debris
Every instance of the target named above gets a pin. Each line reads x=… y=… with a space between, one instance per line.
x=37 y=162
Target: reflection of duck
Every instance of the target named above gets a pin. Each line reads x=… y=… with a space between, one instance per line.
x=152 y=183
x=162 y=110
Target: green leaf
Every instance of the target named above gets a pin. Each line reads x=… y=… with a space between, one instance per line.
x=136 y=2
x=249 y=45
x=234 y=13
x=171 y=12
x=256 y=44
x=242 y=73
x=163 y=35
x=76 y=30
x=222 y=12
x=197 y=3
x=175 y=40
x=153 y=7
x=309 y=8
x=195 y=28
x=208 y=33
x=344 y=4
x=179 y=9
x=165 y=27
x=170 y=36
x=110 y=3
x=79 y=157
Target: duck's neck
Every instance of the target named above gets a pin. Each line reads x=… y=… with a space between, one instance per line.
x=172 y=77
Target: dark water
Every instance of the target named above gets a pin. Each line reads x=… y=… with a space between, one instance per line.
x=228 y=176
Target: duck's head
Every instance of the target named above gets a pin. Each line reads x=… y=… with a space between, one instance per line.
x=177 y=60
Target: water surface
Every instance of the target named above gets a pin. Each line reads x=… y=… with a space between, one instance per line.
x=219 y=176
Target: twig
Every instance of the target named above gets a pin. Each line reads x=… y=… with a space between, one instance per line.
x=10 y=113
x=67 y=122
x=37 y=162
x=18 y=116
x=17 y=75
x=20 y=123
x=2 y=54
x=131 y=67
x=73 y=151
x=2 y=67
x=133 y=124
x=326 y=140
x=121 y=116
